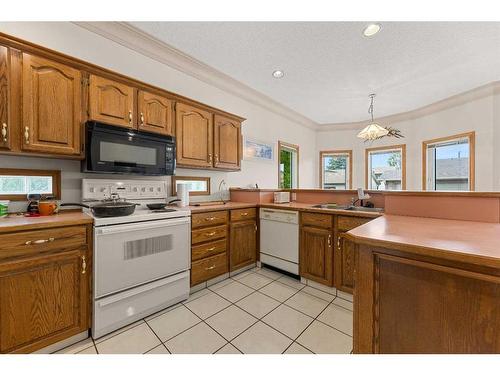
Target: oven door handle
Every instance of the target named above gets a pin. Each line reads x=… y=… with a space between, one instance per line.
x=142 y=289
x=142 y=226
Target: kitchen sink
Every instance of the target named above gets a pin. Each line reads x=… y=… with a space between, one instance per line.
x=348 y=208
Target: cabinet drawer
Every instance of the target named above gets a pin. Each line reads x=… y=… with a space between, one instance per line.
x=346 y=223
x=208 y=268
x=316 y=220
x=208 y=234
x=243 y=214
x=208 y=218
x=36 y=241
x=208 y=249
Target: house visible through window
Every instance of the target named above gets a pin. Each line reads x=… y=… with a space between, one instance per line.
x=336 y=169
x=385 y=168
x=288 y=165
x=448 y=163
x=16 y=184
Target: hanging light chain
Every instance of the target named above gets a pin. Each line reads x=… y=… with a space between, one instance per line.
x=370 y=108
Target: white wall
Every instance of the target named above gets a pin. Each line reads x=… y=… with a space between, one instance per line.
x=481 y=115
x=261 y=123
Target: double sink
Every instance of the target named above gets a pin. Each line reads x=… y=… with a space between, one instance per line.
x=348 y=208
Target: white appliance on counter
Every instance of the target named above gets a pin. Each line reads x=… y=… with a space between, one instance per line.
x=279 y=239
x=282 y=197
x=141 y=261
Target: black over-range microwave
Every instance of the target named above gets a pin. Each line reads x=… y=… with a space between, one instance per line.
x=111 y=149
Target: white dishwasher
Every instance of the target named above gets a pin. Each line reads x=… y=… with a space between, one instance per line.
x=279 y=239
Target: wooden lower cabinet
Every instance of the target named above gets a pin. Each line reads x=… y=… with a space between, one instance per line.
x=410 y=303
x=344 y=264
x=44 y=298
x=243 y=244
x=316 y=254
x=220 y=245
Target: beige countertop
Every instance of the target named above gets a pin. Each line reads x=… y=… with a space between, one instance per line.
x=308 y=207
x=16 y=222
x=220 y=207
x=466 y=241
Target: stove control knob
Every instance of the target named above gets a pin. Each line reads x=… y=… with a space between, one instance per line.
x=143 y=189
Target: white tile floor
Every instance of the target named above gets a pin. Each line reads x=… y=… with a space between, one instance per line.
x=258 y=311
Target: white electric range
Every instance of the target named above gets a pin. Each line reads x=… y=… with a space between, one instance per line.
x=141 y=261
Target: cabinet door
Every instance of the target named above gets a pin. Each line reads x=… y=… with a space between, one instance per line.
x=194 y=135
x=227 y=143
x=242 y=244
x=5 y=124
x=316 y=255
x=344 y=264
x=43 y=300
x=111 y=102
x=51 y=106
x=155 y=113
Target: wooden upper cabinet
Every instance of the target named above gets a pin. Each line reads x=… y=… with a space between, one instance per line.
x=51 y=102
x=194 y=134
x=155 y=113
x=5 y=124
x=316 y=255
x=111 y=102
x=227 y=143
x=243 y=244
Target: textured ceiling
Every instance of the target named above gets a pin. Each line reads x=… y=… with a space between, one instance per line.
x=330 y=68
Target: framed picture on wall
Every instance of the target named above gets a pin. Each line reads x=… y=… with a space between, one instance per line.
x=254 y=149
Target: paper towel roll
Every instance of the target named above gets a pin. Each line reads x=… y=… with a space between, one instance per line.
x=183 y=194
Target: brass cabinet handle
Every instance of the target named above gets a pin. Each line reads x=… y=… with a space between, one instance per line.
x=4 y=132
x=130 y=117
x=38 y=242
x=210 y=268
x=216 y=158
x=338 y=243
x=255 y=227
x=142 y=118
x=211 y=218
x=27 y=135
x=211 y=249
x=210 y=234
x=84 y=264
x=209 y=158
x=244 y=214
x=329 y=240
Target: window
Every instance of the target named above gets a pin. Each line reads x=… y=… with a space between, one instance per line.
x=336 y=170
x=288 y=166
x=448 y=163
x=197 y=185
x=16 y=184
x=385 y=168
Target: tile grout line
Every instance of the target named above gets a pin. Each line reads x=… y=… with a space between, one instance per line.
x=204 y=321
x=161 y=341
x=254 y=290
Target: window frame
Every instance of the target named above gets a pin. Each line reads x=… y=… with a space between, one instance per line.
x=472 y=152
x=401 y=147
x=191 y=178
x=334 y=153
x=286 y=145
x=56 y=181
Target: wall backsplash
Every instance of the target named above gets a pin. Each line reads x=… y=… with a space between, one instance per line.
x=71 y=178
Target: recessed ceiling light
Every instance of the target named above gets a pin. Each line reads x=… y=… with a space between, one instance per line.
x=278 y=74
x=371 y=29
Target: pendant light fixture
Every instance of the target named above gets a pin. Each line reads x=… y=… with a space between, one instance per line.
x=373 y=130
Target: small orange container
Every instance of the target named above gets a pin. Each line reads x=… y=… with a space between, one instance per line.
x=47 y=208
